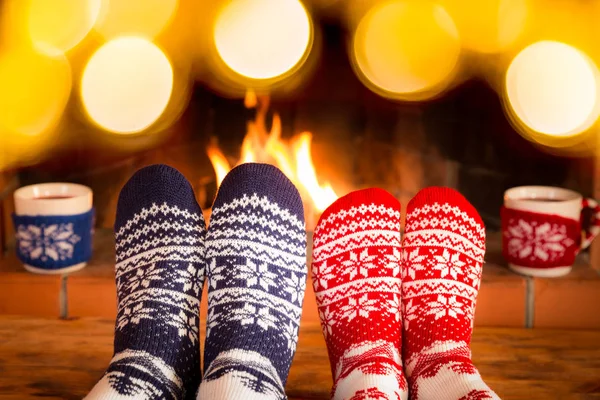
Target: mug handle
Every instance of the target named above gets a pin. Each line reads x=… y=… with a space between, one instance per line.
x=594 y=229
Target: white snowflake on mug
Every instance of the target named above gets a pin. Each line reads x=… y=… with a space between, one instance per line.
x=54 y=242
x=531 y=240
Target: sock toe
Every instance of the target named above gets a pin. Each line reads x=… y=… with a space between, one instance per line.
x=263 y=180
x=155 y=184
x=441 y=195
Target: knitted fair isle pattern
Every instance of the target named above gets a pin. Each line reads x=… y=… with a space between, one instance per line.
x=160 y=265
x=356 y=276
x=443 y=250
x=256 y=258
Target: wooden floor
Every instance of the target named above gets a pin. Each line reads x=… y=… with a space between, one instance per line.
x=54 y=359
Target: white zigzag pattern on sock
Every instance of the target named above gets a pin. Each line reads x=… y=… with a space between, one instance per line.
x=157 y=227
x=443 y=238
x=257 y=251
x=415 y=221
x=169 y=253
x=355 y=241
x=164 y=241
x=171 y=298
x=264 y=222
x=262 y=203
x=224 y=296
x=438 y=286
x=362 y=209
x=165 y=209
x=255 y=236
x=364 y=224
x=357 y=287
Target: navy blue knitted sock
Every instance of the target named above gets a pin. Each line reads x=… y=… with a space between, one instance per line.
x=160 y=266
x=256 y=260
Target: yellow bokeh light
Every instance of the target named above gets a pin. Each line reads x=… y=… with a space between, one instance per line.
x=146 y=18
x=263 y=39
x=406 y=49
x=56 y=26
x=489 y=26
x=126 y=85
x=552 y=88
x=34 y=90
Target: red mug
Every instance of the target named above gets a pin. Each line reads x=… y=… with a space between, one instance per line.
x=542 y=229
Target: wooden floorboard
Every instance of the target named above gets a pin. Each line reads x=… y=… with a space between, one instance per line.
x=55 y=359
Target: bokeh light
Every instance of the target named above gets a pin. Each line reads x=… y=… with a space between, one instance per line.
x=126 y=85
x=34 y=91
x=489 y=26
x=263 y=39
x=56 y=26
x=146 y=18
x=552 y=88
x=406 y=49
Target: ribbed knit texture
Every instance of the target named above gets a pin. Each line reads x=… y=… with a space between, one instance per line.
x=356 y=276
x=159 y=271
x=256 y=257
x=443 y=250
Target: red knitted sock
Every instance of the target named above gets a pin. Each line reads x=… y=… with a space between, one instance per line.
x=443 y=251
x=356 y=276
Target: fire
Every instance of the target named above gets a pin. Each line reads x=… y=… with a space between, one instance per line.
x=219 y=162
x=292 y=157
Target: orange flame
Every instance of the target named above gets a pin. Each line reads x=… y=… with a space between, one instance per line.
x=219 y=162
x=292 y=157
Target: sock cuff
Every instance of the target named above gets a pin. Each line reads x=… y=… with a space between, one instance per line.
x=366 y=197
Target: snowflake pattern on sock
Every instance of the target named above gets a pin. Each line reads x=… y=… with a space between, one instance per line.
x=256 y=254
x=356 y=276
x=159 y=272
x=443 y=250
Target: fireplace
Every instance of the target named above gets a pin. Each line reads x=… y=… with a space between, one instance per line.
x=347 y=137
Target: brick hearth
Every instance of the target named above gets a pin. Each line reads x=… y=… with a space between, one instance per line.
x=505 y=300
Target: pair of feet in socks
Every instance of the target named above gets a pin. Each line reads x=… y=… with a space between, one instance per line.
x=254 y=255
x=384 y=303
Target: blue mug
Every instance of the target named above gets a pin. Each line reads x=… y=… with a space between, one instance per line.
x=54 y=225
